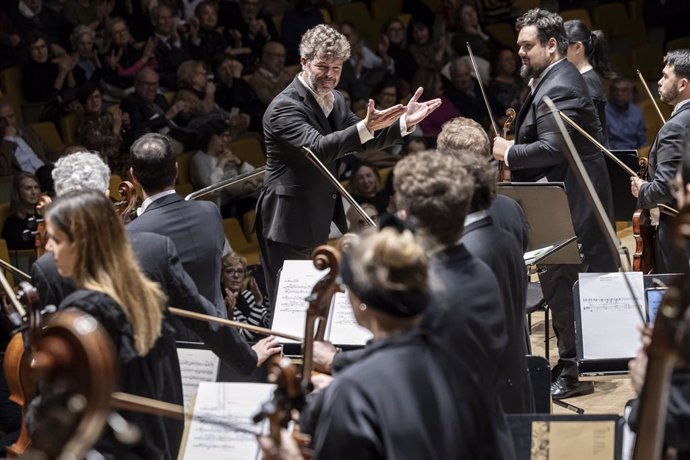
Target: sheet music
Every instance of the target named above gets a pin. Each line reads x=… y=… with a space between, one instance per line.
x=196 y=366
x=343 y=328
x=297 y=279
x=235 y=403
x=571 y=440
x=610 y=320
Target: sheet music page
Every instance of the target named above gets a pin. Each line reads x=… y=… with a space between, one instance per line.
x=343 y=328
x=196 y=366
x=566 y=440
x=235 y=403
x=610 y=320
x=297 y=279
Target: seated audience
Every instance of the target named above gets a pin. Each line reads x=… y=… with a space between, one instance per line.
x=206 y=41
x=249 y=27
x=45 y=77
x=303 y=16
x=505 y=86
x=88 y=66
x=89 y=13
x=235 y=95
x=23 y=200
x=101 y=130
x=470 y=31
x=625 y=122
x=464 y=92
x=357 y=222
x=197 y=91
x=426 y=50
x=272 y=76
x=122 y=60
x=431 y=81
x=216 y=162
x=245 y=305
x=365 y=186
x=405 y=64
x=172 y=49
x=21 y=149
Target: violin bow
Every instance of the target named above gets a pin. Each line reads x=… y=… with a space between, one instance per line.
x=649 y=93
x=600 y=214
x=229 y=323
x=481 y=87
x=338 y=186
x=226 y=183
x=14 y=270
x=608 y=153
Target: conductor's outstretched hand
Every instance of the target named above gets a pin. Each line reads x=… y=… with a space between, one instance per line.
x=379 y=119
x=418 y=111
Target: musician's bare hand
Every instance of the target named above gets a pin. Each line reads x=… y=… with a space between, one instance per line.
x=500 y=147
x=324 y=352
x=321 y=381
x=417 y=111
x=638 y=370
x=287 y=450
x=635 y=185
x=379 y=119
x=266 y=348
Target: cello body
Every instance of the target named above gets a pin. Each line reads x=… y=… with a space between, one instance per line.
x=643 y=232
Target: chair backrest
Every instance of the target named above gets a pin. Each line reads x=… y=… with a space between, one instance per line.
x=183 y=160
x=68 y=128
x=49 y=133
x=11 y=83
x=579 y=13
x=249 y=150
x=540 y=377
x=649 y=59
x=235 y=235
x=612 y=19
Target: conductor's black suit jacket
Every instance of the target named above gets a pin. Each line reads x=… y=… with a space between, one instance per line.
x=297 y=203
x=540 y=151
x=160 y=262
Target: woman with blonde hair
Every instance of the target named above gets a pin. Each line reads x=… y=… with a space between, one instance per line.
x=89 y=244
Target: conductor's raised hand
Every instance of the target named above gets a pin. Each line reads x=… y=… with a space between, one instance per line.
x=417 y=111
x=379 y=119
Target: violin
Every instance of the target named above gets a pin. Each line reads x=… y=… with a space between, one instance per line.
x=127 y=208
x=37 y=226
x=643 y=232
x=503 y=172
x=25 y=314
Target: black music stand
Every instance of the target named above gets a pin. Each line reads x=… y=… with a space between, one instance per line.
x=546 y=209
x=624 y=204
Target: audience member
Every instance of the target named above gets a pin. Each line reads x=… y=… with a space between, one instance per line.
x=470 y=31
x=245 y=305
x=430 y=80
x=405 y=65
x=624 y=118
x=272 y=76
x=250 y=28
x=505 y=88
x=426 y=49
x=370 y=68
x=89 y=13
x=149 y=111
x=21 y=149
x=23 y=200
x=297 y=20
x=365 y=186
x=356 y=222
x=464 y=92
x=10 y=43
x=101 y=130
x=172 y=49
x=385 y=94
x=235 y=95
x=216 y=162
x=31 y=16
x=122 y=60
x=44 y=77
x=197 y=91
x=88 y=66
x=207 y=42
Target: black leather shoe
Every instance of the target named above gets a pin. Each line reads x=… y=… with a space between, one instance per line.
x=566 y=387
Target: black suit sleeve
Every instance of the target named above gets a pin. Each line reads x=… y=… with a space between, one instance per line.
x=226 y=342
x=49 y=291
x=670 y=146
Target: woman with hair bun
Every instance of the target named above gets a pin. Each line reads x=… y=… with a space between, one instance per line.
x=588 y=52
x=405 y=398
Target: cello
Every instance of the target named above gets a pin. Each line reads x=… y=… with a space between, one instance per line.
x=643 y=233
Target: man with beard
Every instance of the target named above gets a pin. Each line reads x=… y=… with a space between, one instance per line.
x=665 y=156
x=297 y=202
x=538 y=152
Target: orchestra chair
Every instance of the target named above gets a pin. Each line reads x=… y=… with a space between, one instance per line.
x=11 y=83
x=652 y=122
x=649 y=59
x=5 y=193
x=49 y=133
x=248 y=220
x=535 y=302
x=383 y=11
x=238 y=242
x=612 y=19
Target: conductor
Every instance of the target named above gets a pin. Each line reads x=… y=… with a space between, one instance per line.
x=297 y=203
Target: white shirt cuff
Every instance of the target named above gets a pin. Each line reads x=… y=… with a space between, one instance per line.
x=364 y=134
x=505 y=156
x=403 y=126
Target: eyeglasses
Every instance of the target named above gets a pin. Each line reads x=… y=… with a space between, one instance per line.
x=235 y=272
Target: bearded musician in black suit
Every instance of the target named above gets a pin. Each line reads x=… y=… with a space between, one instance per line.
x=664 y=157
x=297 y=203
x=538 y=152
